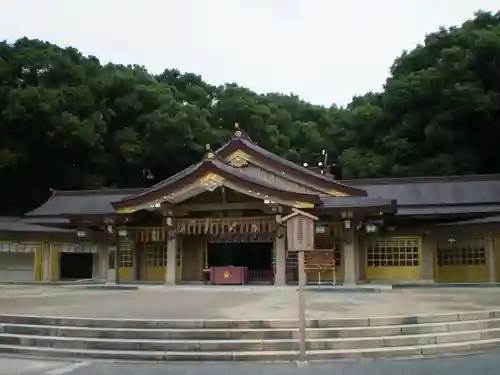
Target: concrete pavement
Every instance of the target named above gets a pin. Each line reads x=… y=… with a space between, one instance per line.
x=239 y=302
x=484 y=364
x=22 y=366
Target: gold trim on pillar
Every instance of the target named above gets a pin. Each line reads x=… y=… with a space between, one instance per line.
x=38 y=263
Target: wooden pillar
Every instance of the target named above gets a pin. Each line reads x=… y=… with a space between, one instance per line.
x=349 y=263
x=171 y=271
x=54 y=265
x=350 y=258
x=428 y=257
x=45 y=262
x=490 y=257
x=117 y=257
x=280 y=254
x=102 y=258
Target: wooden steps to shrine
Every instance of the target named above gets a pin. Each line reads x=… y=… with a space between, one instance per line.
x=248 y=340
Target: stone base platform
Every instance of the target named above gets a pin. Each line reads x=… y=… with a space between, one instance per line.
x=248 y=340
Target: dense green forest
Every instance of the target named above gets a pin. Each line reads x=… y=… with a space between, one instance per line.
x=69 y=122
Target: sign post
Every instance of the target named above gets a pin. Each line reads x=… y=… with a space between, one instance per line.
x=302 y=307
x=300 y=237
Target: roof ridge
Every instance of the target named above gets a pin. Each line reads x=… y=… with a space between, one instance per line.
x=295 y=167
x=105 y=191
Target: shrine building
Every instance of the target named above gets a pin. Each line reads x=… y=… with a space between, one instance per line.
x=223 y=220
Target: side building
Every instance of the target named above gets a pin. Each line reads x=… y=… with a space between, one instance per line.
x=226 y=210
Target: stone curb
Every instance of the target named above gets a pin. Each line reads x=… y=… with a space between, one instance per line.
x=447 y=285
x=109 y=287
x=246 y=345
x=52 y=283
x=322 y=355
x=249 y=333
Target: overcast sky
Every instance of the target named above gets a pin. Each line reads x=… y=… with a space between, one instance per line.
x=326 y=51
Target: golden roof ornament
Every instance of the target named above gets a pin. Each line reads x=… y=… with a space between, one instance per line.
x=210 y=154
x=237 y=131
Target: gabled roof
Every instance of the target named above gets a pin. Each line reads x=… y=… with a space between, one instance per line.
x=243 y=143
x=212 y=164
x=81 y=202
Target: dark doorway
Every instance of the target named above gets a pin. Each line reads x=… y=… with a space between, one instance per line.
x=76 y=266
x=257 y=256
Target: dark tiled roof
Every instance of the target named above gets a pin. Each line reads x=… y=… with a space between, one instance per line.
x=218 y=166
x=296 y=169
x=176 y=177
x=13 y=224
x=78 y=202
x=46 y=220
x=415 y=196
x=483 y=189
x=242 y=173
x=287 y=162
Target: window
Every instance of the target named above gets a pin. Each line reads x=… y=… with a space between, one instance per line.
x=472 y=252
x=156 y=255
x=393 y=252
x=126 y=255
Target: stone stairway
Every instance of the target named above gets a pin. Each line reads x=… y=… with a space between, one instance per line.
x=248 y=340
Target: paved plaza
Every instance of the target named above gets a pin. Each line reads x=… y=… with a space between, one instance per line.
x=238 y=302
x=247 y=302
x=483 y=364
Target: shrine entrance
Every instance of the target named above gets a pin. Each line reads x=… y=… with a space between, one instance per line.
x=254 y=252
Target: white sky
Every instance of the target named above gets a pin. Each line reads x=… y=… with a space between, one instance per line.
x=326 y=51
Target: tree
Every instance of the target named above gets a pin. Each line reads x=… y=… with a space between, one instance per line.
x=69 y=122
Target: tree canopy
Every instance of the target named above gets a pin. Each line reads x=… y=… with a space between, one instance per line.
x=69 y=122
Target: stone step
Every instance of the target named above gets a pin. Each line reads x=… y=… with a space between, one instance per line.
x=228 y=345
x=138 y=355
x=249 y=334
x=262 y=324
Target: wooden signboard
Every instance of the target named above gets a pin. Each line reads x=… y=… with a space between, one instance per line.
x=319 y=260
x=300 y=230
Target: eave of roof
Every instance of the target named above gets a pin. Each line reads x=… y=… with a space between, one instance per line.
x=216 y=166
x=483 y=220
x=457 y=209
x=424 y=196
x=246 y=145
x=69 y=203
x=14 y=224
